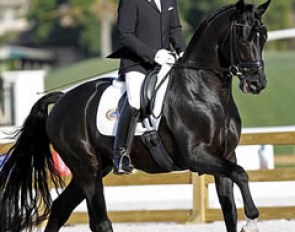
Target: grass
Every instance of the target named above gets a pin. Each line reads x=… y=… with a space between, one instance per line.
x=65 y=77
x=274 y=106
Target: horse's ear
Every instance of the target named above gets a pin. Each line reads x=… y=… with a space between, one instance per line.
x=263 y=7
x=240 y=6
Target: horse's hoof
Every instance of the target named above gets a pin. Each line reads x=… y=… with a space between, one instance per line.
x=105 y=226
x=251 y=226
x=248 y=230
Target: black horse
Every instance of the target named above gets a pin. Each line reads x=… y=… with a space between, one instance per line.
x=200 y=128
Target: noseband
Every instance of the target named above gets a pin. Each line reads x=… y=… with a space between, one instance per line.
x=237 y=65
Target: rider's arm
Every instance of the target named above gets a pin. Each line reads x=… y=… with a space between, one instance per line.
x=176 y=37
x=127 y=18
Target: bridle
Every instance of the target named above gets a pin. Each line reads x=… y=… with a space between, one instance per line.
x=237 y=65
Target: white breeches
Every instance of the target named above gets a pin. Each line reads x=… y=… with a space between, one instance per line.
x=134 y=81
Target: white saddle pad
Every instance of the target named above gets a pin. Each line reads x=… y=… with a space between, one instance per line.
x=107 y=114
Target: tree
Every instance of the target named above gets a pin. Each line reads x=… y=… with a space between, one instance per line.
x=83 y=23
x=55 y=22
x=87 y=24
x=279 y=16
x=106 y=12
x=195 y=10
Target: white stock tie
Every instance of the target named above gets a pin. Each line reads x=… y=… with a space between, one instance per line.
x=158 y=3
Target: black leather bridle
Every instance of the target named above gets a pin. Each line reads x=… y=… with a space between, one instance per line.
x=237 y=65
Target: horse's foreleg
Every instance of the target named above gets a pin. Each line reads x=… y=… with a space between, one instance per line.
x=205 y=162
x=224 y=187
x=63 y=206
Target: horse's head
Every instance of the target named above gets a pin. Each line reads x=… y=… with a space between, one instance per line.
x=247 y=38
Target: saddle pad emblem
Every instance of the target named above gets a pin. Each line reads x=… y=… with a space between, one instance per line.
x=112 y=115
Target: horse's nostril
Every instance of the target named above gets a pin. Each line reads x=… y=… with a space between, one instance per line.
x=256 y=85
x=253 y=87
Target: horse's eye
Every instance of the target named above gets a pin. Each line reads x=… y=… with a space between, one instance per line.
x=262 y=32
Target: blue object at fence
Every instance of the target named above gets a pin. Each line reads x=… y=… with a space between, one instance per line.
x=2 y=158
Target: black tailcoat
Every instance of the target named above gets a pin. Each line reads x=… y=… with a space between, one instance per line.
x=143 y=30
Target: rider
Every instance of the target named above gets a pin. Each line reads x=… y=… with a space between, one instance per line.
x=147 y=29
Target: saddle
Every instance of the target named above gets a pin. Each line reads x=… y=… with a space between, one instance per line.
x=148 y=93
x=147 y=126
x=147 y=96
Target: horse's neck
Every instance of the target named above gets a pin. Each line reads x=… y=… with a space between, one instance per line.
x=202 y=85
x=208 y=73
x=206 y=81
x=202 y=54
x=204 y=49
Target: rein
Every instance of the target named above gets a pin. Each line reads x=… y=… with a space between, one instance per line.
x=195 y=65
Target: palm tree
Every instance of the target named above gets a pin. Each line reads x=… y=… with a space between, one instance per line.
x=106 y=13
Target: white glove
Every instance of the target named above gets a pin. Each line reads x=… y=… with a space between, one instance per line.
x=180 y=54
x=163 y=56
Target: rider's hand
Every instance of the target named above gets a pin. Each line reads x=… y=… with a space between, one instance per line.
x=163 y=56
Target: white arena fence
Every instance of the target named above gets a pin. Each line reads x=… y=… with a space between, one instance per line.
x=281 y=34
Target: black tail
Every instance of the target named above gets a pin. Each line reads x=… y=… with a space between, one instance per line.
x=24 y=193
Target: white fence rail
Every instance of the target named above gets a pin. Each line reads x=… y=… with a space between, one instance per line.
x=281 y=34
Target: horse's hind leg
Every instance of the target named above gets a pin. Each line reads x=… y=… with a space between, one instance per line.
x=224 y=187
x=86 y=184
x=88 y=173
x=93 y=191
x=63 y=206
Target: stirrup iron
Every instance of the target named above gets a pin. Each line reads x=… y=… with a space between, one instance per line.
x=119 y=167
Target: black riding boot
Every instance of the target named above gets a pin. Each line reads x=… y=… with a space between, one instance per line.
x=124 y=139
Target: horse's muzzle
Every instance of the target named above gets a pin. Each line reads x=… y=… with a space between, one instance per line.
x=254 y=82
